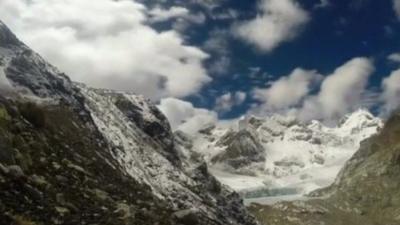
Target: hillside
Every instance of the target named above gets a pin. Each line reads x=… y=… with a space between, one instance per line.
x=71 y=154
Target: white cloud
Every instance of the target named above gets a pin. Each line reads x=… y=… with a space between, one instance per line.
x=158 y=14
x=183 y=23
x=209 y=5
x=395 y=57
x=228 y=14
x=226 y=102
x=279 y=21
x=341 y=92
x=396 y=7
x=184 y=116
x=288 y=90
x=391 y=92
x=217 y=43
x=107 y=44
x=220 y=66
x=322 y=4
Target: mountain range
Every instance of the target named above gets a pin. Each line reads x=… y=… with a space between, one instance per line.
x=280 y=152
x=72 y=154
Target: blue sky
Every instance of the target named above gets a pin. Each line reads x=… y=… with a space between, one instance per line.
x=335 y=34
x=202 y=60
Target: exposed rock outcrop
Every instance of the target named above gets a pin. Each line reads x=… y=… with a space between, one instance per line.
x=71 y=154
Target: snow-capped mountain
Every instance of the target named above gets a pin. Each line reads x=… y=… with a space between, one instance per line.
x=366 y=191
x=280 y=152
x=106 y=144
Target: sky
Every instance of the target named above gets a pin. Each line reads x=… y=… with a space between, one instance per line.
x=209 y=60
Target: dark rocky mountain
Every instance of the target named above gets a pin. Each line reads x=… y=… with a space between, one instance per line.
x=367 y=191
x=242 y=149
x=70 y=154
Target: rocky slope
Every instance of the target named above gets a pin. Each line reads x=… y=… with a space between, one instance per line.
x=71 y=154
x=280 y=152
x=367 y=191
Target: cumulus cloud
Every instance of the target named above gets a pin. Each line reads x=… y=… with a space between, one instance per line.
x=396 y=7
x=278 y=21
x=339 y=93
x=288 y=90
x=218 y=45
x=184 y=116
x=183 y=23
x=217 y=42
x=344 y=87
x=226 y=102
x=109 y=45
x=159 y=14
x=395 y=57
x=227 y=14
x=322 y=4
x=391 y=93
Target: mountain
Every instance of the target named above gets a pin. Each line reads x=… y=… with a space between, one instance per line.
x=71 y=154
x=280 y=152
x=366 y=192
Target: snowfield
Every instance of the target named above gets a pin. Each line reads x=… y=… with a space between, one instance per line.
x=299 y=157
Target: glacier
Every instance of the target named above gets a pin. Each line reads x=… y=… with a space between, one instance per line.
x=298 y=157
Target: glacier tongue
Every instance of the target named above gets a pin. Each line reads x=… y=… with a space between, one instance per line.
x=298 y=156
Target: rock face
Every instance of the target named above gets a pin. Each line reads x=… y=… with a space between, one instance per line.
x=71 y=154
x=7 y=38
x=367 y=190
x=242 y=149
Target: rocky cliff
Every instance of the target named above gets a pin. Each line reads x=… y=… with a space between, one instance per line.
x=70 y=154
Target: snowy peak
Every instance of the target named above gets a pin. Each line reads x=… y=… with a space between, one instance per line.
x=358 y=121
x=29 y=74
x=292 y=153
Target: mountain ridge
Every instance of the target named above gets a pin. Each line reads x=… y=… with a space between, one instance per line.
x=291 y=153
x=88 y=137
